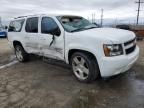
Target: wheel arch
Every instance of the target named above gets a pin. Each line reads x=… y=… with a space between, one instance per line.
x=72 y=51
x=15 y=42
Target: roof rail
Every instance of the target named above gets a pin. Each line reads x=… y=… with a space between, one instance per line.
x=28 y=15
x=20 y=17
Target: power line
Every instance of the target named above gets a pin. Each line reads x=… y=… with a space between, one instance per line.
x=139 y=6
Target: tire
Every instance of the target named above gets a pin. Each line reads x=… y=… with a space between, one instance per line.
x=21 y=54
x=84 y=66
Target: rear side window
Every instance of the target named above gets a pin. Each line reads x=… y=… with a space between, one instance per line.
x=16 y=26
x=32 y=25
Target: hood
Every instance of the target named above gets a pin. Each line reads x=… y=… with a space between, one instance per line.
x=111 y=34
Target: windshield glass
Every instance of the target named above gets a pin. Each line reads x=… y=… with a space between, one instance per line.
x=75 y=23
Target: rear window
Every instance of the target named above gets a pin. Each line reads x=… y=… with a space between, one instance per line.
x=16 y=26
x=32 y=25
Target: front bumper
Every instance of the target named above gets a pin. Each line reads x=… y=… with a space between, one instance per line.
x=111 y=66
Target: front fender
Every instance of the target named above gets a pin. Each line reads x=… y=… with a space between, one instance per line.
x=86 y=48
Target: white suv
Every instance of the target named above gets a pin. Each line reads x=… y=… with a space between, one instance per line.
x=91 y=51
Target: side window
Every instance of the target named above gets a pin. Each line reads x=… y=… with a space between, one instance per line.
x=32 y=25
x=16 y=26
x=48 y=24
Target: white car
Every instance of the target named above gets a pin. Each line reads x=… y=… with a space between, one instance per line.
x=91 y=51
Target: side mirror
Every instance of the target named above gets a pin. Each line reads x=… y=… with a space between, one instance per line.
x=56 y=31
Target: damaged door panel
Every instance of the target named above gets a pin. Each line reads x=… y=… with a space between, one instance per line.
x=51 y=42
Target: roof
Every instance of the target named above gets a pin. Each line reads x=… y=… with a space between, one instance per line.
x=38 y=15
x=29 y=16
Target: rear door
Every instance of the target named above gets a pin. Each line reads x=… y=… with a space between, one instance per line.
x=51 y=46
x=31 y=36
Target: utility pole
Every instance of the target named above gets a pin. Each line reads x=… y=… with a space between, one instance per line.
x=102 y=17
x=139 y=6
x=93 y=17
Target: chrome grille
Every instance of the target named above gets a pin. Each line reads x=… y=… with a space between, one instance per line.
x=130 y=46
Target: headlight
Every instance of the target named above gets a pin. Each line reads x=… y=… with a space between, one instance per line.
x=113 y=50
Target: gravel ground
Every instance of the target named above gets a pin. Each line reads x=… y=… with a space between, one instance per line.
x=6 y=54
x=37 y=84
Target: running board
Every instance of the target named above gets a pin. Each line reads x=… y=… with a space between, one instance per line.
x=56 y=62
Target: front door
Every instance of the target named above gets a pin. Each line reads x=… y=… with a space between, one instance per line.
x=51 y=46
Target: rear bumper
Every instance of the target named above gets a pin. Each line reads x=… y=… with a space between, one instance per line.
x=115 y=65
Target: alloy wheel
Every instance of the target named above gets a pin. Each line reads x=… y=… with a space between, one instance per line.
x=19 y=54
x=80 y=67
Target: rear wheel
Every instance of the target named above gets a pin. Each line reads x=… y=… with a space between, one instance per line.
x=84 y=67
x=21 y=54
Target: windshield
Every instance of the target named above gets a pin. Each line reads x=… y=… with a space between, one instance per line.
x=75 y=23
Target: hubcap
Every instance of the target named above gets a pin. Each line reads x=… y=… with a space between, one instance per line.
x=80 y=67
x=19 y=54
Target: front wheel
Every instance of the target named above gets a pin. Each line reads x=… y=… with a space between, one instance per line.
x=84 y=67
x=20 y=53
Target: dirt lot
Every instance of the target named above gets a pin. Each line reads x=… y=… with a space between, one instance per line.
x=6 y=54
x=37 y=84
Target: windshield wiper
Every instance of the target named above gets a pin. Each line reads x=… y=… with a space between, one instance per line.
x=81 y=29
x=91 y=28
x=77 y=30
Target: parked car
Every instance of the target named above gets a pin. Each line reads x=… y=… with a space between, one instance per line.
x=91 y=51
x=139 y=34
x=137 y=30
x=125 y=27
x=3 y=34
